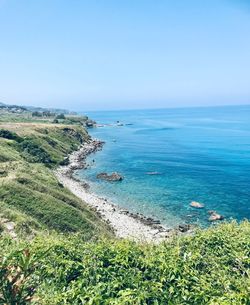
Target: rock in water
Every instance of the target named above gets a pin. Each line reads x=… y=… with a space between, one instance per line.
x=112 y=177
x=197 y=205
x=214 y=216
x=90 y=123
x=153 y=173
x=184 y=227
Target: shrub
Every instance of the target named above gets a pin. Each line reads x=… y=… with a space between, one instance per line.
x=34 y=152
x=51 y=142
x=6 y=134
x=1 y=228
x=209 y=268
x=65 y=161
x=3 y=173
x=60 y=116
x=37 y=114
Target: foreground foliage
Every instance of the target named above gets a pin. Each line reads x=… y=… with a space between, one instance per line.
x=211 y=267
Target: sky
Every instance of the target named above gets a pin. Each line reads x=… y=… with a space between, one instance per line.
x=101 y=55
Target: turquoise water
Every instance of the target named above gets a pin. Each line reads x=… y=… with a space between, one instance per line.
x=202 y=154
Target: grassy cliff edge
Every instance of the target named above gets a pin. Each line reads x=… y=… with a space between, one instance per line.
x=30 y=195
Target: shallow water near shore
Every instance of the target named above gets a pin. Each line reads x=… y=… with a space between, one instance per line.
x=200 y=154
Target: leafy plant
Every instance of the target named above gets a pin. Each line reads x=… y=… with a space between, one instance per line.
x=18 y=281
x=211 y=267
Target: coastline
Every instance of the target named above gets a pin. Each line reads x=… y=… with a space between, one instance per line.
x=124 y=223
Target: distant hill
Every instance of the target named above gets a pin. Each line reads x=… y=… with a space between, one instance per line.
x=15 y=108
x=34 y=108
x=55 y=110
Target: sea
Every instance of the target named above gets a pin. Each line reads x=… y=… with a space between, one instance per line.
x=171 y=157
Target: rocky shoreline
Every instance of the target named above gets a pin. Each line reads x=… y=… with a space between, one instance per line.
x=124 y=223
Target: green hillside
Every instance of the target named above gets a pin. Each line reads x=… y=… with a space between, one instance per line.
x=30 y=195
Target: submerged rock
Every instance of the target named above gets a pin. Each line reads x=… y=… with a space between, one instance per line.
x=197 y=205
x=153 y=173
x=112 y=177
x=184 y=227
x=214 y=216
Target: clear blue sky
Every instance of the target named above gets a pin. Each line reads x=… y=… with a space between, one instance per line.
x=88 y=55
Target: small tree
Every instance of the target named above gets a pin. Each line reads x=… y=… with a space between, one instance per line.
x=60 y=116
x=37 y=114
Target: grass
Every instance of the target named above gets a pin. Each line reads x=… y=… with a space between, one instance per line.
x=29 y=188
x=211 y=267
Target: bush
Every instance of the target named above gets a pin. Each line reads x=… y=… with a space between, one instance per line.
x=65 y=161
x=51 y=142
x=209 y=268
x=37 y=114
x=6 y=134
x=3 y=173
x=33 y=152
x=60 y=116
x=1 y=228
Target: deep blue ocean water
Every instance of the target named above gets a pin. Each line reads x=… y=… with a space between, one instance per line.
x=202 y=154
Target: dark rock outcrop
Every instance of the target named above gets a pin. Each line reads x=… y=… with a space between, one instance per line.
x=184 y=227
x=112 y=177
x=90 y=123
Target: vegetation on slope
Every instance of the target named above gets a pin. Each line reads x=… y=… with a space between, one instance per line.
x=211 y=267
x=30 y=195
x=47 y=264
